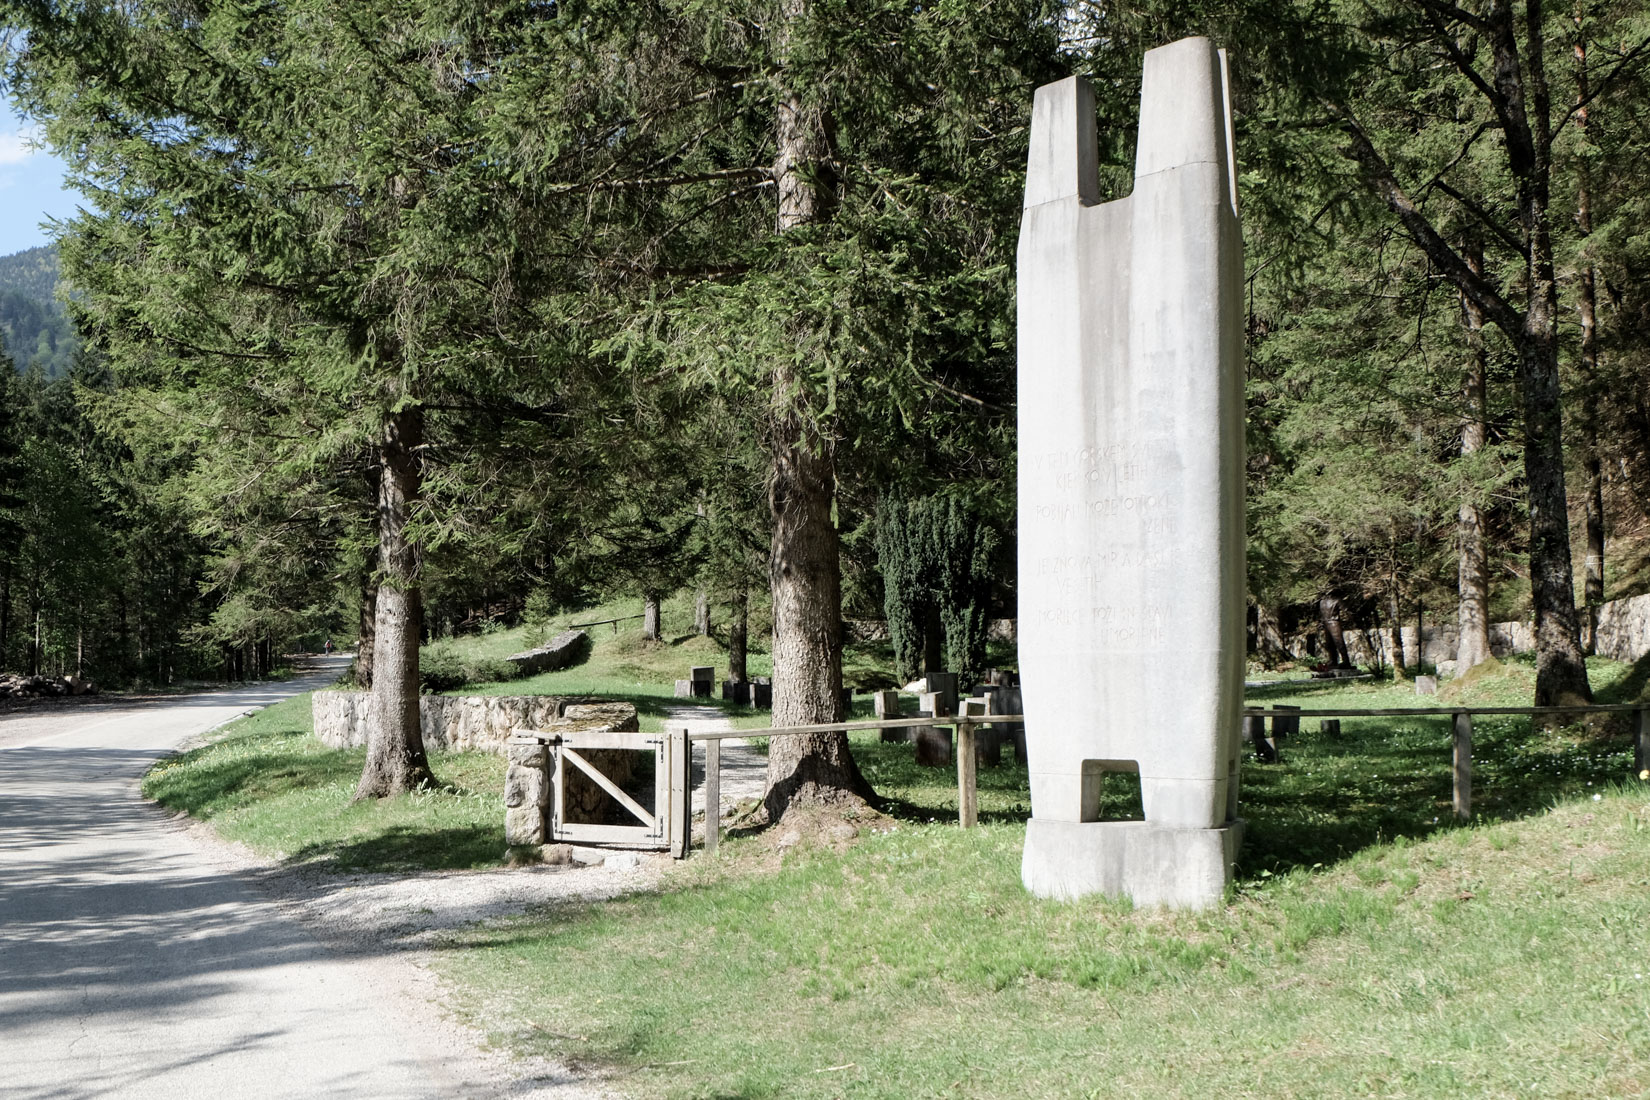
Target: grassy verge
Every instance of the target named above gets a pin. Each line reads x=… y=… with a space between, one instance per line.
x=267 y=783
x=1372 y=945
x=1503 y=960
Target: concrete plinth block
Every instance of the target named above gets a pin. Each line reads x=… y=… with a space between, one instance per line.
x=1152 y=864
x=684 y=689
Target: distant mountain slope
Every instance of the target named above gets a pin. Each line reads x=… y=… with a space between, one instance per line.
x=32 y=320
x=32 y=273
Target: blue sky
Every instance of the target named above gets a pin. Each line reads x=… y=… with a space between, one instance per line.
x=31 y=187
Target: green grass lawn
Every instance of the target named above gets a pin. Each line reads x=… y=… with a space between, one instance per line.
x=267 y=783
x=1505 y=960
x=1371 y=947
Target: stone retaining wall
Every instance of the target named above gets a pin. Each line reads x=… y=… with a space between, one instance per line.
x=449 y=722
x=564 y=649
x=1623 y=633
x=1624 y=628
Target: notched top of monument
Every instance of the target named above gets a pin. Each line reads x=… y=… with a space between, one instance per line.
x=1185 y=118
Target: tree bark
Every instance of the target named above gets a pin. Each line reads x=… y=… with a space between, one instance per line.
x=701 y=614
x=804 y=566
x=5 y=611
x=396 y=762
x=650 y=616
x=933 y=639
x=1472 y=646
x=739 y=638
x=1587 y=304
x=1269 y=643
x=367 y=643
x=1395 y=633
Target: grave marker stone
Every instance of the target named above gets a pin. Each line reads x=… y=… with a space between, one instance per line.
x=703 y=676
x=885 y=704
x=1131 y=425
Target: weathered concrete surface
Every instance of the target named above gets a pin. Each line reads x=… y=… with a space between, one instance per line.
x=134 y=964
x=1151 y=864
x=1131 y=524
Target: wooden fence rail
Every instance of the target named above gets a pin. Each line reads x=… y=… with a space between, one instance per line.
x=967 y=766
x=604 y=622
x=1461 y=731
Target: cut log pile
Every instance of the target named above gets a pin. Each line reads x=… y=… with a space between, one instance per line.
x=15 y=685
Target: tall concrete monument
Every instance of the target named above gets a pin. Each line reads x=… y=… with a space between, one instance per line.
x=1131 y=585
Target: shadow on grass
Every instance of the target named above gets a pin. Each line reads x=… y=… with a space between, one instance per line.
x=209 y=780
x=1330 y=797
x=1630 y=688
x=408 y=848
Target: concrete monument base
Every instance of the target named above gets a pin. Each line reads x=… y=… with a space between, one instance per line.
x=1153 y=864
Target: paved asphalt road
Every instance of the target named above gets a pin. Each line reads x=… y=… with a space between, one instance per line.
x=135 y=963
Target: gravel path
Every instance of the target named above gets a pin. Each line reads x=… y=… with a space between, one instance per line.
x=142 y=955
x=744 y=770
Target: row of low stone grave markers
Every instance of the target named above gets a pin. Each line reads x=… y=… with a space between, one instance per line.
x=701 y=684
x=934 y=744
x=1284 y=724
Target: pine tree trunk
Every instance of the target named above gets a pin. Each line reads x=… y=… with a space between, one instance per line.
x=933 y=640
x=1395 y=633
x=739 y=638
x=1561 y=669
x=804 y=567
x=701 y=614
x=1587 y=303
x=367 y=644
x=1269 y=644
x=396 y=762
x=5 y=612
x=650 y=616
x=1472 y=645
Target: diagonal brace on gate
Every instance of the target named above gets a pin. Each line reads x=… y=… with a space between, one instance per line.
x=609 y=786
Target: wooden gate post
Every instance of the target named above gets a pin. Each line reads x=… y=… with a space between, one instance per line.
x=1463 y=765
x=678 y=759
x=713 y=793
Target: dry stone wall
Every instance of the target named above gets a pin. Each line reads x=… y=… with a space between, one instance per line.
x=1623 y=634
x=479 y=723
x=1624 y=628
x=562 y=650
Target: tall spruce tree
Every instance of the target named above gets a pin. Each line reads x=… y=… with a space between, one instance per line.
x=307 y=214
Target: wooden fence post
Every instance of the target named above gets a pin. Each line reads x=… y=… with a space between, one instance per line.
x=1463 y=765
x=1641 y=740
x=968 y=810
x=713 y=794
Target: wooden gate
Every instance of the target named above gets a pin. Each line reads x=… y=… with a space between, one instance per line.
x=666 y=825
